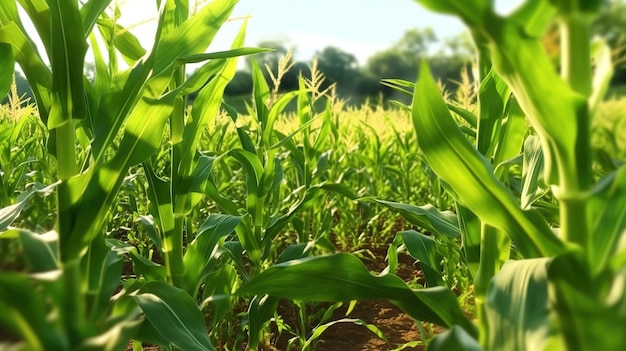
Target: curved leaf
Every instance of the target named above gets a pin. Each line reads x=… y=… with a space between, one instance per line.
x=175 y=315
x=517 y=306
x=454 y=160
x=343 y=277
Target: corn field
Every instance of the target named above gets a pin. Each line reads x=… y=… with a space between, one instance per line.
x=132 y=215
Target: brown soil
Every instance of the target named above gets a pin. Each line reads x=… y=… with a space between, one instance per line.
x=397 y=326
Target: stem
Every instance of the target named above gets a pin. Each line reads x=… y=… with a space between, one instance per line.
x=66 y=151
x=73 y=298
x=175 y=262
x=487 y=269
x=576 y=181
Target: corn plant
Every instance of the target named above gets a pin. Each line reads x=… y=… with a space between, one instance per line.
x=97 y=131
x=542 y=236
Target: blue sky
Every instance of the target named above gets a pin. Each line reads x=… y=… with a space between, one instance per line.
x=361 y=27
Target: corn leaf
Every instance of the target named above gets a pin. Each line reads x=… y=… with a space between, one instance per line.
x=175 y=315
x=67 y=56
x=25 y=314
x=424 y=249
x=200 y=252
x=90 y=11
x=455 y=161
x=343 y=277
x=427 y=217
x=493 y=95
x=7 y=66
x=517 y=303
x=455 y=339
x=607 y=217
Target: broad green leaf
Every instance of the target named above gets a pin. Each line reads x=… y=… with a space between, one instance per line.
x=240 y=51
x=493 y=95
x=12 y=212
x=90 y=11
x=534 y=16
x=194 y=35
x=511 y=136
x=150 y=270
x=470 y=228
x=206 y=106
x=200 y=251
x=150 y=225
x=125 y=42
x=260 y=311
x=41 y=250
x=587 y=308
x=533 y=186
x=103 y=266
x=261 y=92
x=424 y=249
x=67 y=56
x=427 y=217
x=455 y=339
x=7 y=67
x=454 y=160
x=25 y=314
x=217 y=290
x=274 y=112
x=517 y=306
x=91 y=194
x=607 y=217
x=346 y=278
x=175 y=315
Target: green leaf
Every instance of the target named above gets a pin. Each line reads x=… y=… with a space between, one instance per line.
x=511 y=137
x=455 y=339
x=424 y=249
x=517 y=306
x=200 y=252
x=607 y=217
x=194 y=35
x=41 y=250
x=348 y=279
x=427 y=217
x=587 y=307
x=90 y=11
x=11 y=213
x=67 y=56
x=493 y=95
x=7 y=68
x=453 y=159
x=125 y=42
x=25 y=314
x=533 y=185
x=175 y=315
x=470 y=227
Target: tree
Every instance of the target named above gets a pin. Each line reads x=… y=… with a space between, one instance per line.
x=402 y=58
x=338 y=67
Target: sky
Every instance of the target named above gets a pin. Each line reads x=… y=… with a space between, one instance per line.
x=360 y=27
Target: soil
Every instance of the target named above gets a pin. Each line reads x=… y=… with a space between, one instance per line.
x=398 y=327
